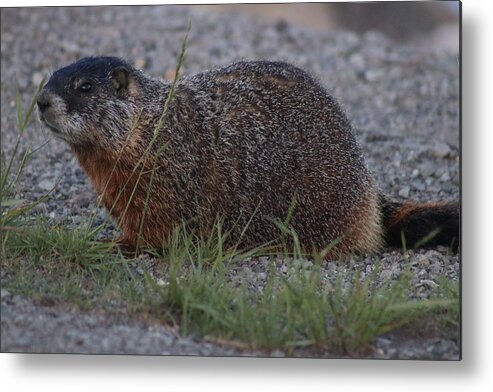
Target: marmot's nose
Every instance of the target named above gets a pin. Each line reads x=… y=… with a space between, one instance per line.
x=43 y=101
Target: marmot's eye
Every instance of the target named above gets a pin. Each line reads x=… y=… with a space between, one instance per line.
x=85 y=87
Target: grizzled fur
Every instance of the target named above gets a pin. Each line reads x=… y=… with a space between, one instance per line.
x=240 y=143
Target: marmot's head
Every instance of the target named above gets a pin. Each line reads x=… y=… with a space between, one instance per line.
x=91 y=102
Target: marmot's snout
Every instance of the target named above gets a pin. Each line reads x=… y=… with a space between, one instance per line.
x=52 y=113
x=43 y=101
x=48 y=106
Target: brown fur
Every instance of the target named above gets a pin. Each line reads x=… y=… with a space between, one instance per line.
x=413 y=222
x=240 y=143
x=406 y=210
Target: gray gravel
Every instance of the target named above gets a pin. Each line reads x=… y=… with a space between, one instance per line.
x=403 y=102
x=44 y=329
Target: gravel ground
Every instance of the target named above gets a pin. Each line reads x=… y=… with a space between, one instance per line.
x=403 y=102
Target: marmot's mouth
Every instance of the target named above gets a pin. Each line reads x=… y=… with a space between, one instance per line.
x=49 y=124
x=53 y=129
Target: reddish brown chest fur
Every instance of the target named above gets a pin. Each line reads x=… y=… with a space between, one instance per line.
x=115 y=181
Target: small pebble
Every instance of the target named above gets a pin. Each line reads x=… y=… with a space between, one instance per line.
x=4 y=293
x=445 y=177
x=385 y=274
x=428 y=283
x=37 y=78
x=418 y=185
x=140 y=63
x=277 y=354
x=404 y=192
x=426 y=169
x=440 y=150
x=46 y=185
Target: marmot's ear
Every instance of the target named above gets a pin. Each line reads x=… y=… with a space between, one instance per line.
x=120 y=79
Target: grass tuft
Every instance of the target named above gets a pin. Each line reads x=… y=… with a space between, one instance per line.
x=287 y=312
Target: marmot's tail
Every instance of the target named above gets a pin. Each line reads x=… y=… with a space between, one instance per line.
x=421 y=224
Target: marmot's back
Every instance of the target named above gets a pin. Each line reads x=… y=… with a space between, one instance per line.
x=241 y=143
x=275 y=136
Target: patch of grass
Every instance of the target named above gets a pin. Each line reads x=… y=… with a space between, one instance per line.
x=40 y=259
x=447 y=290
x=12 y=164
x=194 y=291
x=45 y=260
x=45 y=240
x=442 y=320
x=286 y=312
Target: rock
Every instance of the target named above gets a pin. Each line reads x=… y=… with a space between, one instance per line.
x=140 y=63
x=277 y=354
x=69 y=47
x=404 y=192
x=429 y=181
x=383 y=342
x=440 y=150
x=418 y=185
x=426 y=169
x=445 y=177
x=358 y=61
x=429 y=283
x=436 y=267
x=386 y=274
x=372 y=75
x=46 y=185
x=37 y=78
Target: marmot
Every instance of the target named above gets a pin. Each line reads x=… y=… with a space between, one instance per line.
x=239 y=143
